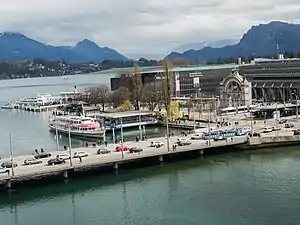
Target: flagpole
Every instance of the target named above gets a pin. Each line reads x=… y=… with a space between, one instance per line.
x=56 y=134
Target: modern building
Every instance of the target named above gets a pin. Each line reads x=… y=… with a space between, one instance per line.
x=196 y=81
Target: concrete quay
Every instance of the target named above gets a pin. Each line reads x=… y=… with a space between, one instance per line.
x=115 y=161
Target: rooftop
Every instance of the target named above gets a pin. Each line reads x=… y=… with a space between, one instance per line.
x=125 y=114
x=193 y=68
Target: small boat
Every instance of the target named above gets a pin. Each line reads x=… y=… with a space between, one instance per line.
x=79 y=126
x=8 y=106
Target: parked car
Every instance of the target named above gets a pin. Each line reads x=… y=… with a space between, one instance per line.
x=296 y=132
x=276 y=128
x=55 y=161
x=42 y=155
x=183 y=141
x=4 y=170
x=282 y=121
x=255 y=134
x=102 y=151
x=8 y=164
x=156 y=143
x=267 y=130
x=220 y=138
x=289 y=125
x=135 y=150
x=197 y=136
x=63 y=156
x=32 y=161
x=80 y=154
x=119 y=148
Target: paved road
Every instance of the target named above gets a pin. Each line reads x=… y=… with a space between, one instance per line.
x=93 y=158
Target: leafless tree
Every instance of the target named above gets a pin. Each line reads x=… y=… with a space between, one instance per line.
x=137 y=86
x=152 y=95
x=167 y=87
x=98 y=95
x=117 y=97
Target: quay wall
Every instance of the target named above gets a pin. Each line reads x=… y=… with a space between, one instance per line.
x=42 y=174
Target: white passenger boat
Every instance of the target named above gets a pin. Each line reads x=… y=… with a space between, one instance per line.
x=80 y=126
x=39 y=100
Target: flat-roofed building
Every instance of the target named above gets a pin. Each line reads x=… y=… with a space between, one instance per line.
x=197 y=81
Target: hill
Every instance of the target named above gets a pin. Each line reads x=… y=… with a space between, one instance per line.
x=261 y=40
x=16 y=46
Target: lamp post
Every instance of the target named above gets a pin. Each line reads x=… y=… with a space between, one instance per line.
x=56 y=134
x=296 y=97
x=140 y=121
x=121 y=127
x=70 y=147
x=194 y=118
x=11 y=155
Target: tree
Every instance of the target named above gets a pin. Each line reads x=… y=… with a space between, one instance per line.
x=118 y=97
x=167 y=88
x=98 y=95
x=137 y=85
x=152 y=95
x=127 y=105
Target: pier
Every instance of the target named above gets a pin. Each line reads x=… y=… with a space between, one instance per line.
x=119 y=160
x=33 y=108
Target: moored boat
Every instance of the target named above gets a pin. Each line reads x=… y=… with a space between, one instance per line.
x=79 y=126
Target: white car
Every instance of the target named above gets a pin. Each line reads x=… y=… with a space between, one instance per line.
x=4 y=170
x=267 y=130
x=63 y=156
x=80 y=154
x=156 y=143
x=197 y=136
x=183 y=141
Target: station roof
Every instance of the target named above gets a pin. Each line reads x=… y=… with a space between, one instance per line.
x=125 y=114
x=193 y=68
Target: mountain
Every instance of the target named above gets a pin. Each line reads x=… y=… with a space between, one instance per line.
x=16 y=46
x=201 y=45
x=261 y=40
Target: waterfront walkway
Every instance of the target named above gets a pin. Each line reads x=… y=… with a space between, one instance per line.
x=22 y=172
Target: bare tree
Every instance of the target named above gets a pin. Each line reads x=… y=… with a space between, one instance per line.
x=137 y=86
x=152 y=95
x=118 y=97
x=167 y=87
x=98 y=95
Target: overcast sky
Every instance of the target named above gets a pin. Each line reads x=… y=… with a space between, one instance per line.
x=152 y=27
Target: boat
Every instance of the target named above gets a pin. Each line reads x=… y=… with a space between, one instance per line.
x=80 y=126
x=10 y=105
x=40 y=100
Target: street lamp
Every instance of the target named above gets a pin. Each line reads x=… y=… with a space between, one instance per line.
x=70 y=147
x=296 y=96
x=11 y=155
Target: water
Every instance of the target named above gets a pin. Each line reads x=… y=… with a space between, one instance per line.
x=30 y=130
x=243 y=188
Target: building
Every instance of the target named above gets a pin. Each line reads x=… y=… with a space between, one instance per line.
x=196 y=81
x=264 y=80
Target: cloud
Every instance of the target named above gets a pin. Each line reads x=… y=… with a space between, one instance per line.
x=140 y=27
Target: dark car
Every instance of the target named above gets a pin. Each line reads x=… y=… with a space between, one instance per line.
x=56 y=161
x=101 y=151
x=282 y=121
x=135 y=149
x=8 y=164
x=42 y=155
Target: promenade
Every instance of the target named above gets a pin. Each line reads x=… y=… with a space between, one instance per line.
x=115 y=159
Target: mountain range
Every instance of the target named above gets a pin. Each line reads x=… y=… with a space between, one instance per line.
x=200 y=45
x=16 y=46
x=261 y=40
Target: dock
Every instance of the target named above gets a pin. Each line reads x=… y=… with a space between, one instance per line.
x=32 y=108
x=117 y=160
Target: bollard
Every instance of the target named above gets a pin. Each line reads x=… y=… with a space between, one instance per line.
x=116 y=166
x=65 y=174
x=161 y=158
x=8 y=183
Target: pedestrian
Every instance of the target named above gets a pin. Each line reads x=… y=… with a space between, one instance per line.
x=42 y=150
x=86 y=145
x=80 y=159
x=231 y=139
x=105 y=143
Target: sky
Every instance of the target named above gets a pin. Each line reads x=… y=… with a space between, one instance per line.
x=138 y=28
